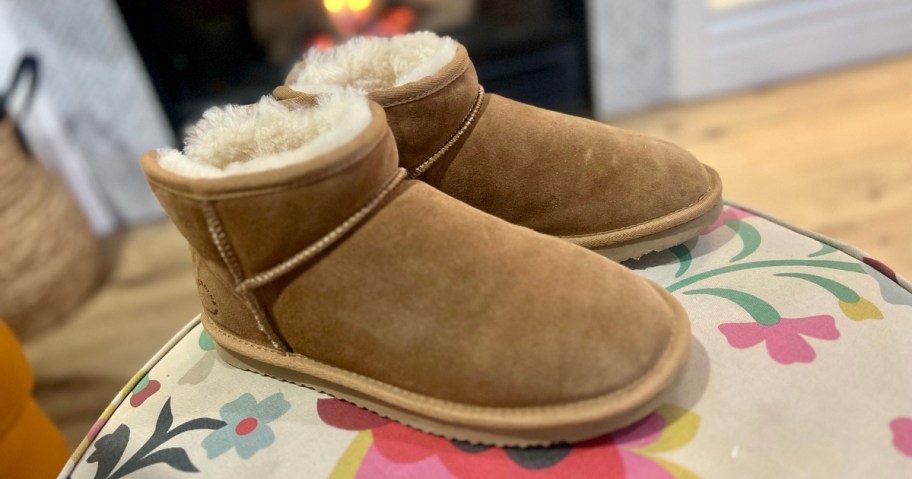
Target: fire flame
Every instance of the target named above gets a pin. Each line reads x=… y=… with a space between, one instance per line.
x=358 y=17
x=359 y=5
x=338 y=6
x=333 y=6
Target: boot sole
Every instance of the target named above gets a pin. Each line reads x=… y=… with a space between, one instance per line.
x=497 y=426
x=660 y=233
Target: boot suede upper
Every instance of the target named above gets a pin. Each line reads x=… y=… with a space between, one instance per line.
x=426 y=294
x=558 y=174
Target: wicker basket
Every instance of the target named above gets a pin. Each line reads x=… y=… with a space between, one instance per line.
x=49 y=257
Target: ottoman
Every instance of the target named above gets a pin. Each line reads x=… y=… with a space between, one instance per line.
x=801 y=366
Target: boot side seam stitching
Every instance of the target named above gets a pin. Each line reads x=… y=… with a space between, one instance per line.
x=240 y=296
x=217 y=233
x=467 y=122
x=327 y=240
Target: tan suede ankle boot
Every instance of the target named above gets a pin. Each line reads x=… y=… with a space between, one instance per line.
x=594 y=185
x=319 y=263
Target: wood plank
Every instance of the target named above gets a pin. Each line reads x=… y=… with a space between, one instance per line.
x=831 y=153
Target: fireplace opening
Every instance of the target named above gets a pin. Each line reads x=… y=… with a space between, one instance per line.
x=210 y=52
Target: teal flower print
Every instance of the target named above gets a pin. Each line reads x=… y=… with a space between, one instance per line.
x=247 y=428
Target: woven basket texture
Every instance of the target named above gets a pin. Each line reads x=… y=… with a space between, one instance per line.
x=49 y=257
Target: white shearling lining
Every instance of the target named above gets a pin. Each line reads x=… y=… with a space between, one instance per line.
x=267 y=135
x=367 y=64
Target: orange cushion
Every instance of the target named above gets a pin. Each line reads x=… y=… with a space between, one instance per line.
x=15 y=376
x=30 y=445
x=33 y=447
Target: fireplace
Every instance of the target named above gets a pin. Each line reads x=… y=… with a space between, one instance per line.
x=211 y=52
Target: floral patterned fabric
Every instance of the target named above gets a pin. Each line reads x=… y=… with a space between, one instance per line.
x=800 y=368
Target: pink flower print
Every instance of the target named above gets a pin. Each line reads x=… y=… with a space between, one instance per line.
x=890 y=290
x=376 y=465
x=144 y=389
x=902 y=434
x=785 y=340
x=728 y=214
x=880 y=267
x=397 y=451
x=641 y=433
x=344 y=415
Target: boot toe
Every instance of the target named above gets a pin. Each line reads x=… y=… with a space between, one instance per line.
x=637 y=181
x=575 y=178
x=637 y=350
x=664 y=178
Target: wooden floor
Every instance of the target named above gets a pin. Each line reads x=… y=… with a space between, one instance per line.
x=832 y=154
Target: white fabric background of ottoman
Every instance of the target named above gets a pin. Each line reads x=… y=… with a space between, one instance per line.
x=800 y=368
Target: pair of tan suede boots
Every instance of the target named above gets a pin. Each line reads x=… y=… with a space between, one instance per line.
x=382 y=230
